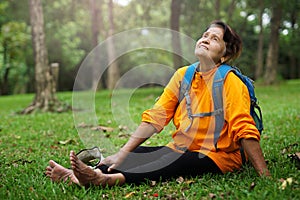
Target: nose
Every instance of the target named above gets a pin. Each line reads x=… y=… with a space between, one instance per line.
x=205 y=40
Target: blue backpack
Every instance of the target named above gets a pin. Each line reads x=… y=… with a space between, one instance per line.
x=217 y=91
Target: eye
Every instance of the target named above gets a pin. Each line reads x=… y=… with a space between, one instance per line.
x=216 y=38
x=205 y=35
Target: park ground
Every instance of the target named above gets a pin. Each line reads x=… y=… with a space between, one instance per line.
x=28 y=142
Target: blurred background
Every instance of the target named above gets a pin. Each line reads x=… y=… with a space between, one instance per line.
x=71 y=29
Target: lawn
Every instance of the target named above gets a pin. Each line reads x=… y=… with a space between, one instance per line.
x=27 y=142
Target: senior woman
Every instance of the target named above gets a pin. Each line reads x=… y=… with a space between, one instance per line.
x=191 y=151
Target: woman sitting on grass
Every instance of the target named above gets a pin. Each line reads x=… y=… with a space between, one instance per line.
x=192 y=151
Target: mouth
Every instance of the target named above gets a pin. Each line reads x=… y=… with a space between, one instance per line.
x=203 y=46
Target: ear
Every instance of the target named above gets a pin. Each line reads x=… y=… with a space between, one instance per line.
x=224 y=59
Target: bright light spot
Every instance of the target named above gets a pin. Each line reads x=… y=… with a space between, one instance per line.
x=243 y=14
x=122 y=2
x=287 y=24
x=145 y=31
x=266 y=19
x=257 y=29
x=241 y=4
x=285 y=32
x=251 y=18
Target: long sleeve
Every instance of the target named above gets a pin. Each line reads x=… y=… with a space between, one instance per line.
x=164 y=109
x=237 y=110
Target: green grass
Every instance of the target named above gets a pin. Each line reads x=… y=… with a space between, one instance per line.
x=28 y=142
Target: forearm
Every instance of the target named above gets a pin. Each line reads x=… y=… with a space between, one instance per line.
x=141 y=134
x=254 y=152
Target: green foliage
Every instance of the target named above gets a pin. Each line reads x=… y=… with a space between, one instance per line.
x=14 y=39
x=69 y=31
x=3 y=7
x=70 y=43
x=28 y=142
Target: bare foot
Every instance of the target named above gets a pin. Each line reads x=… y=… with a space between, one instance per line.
x=85 y=174
x=58 y=173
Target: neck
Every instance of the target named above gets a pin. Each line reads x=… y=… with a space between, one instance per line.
x=206 y=65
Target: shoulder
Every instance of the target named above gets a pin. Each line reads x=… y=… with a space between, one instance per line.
x=182 y=70
x=232 y=78
x=235 y=86
x=179 y=73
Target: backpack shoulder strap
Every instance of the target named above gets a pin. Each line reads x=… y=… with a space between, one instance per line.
x=217 y=95
x=187 y=80
x=218 y=83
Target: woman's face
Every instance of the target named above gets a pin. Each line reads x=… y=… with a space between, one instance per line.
x=211 y=44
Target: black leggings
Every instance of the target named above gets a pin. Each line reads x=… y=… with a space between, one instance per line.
x=161 y=163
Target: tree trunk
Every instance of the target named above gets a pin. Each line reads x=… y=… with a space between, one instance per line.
x=113 y=70
x=4 y=81
x=292 y=55
x=293 y=66
x=44 y=84
x=95 y=34
x=272 y=56
x=231 y=10
x=95 y=24
x=260 y=52
x=175 y=24
x=218 y=9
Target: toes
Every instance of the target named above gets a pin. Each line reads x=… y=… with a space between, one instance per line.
x=48 y=173
x=48 y=168
x=52 y=163
x=73 y=160
x=72 y=154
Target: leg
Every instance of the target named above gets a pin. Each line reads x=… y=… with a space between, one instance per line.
x=140 y=156
x=143 y=155
x=146 y=163
x=172 y=164
x=88 y=176
x=58 y=173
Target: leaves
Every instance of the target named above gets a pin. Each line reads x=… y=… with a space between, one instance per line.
x=68 y=141
x=285 y=183
x=252 y=186
x=289 y=148
x=295 y=157
x=212 y=195
x=18 y=162
x=96 y=128
x=129 y=195
x=102 y=128
x=181 y=180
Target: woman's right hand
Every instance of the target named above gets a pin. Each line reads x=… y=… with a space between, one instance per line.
x=115 y=160
x=144 y=131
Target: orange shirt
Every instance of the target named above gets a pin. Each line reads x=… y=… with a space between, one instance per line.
x=200 y=137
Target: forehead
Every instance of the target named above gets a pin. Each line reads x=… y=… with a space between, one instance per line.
x=216 y=30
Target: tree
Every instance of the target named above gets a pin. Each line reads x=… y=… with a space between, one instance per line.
x=218 y=8
x=45 y=98
x=272 y=56
x=175 y=24
x=113 y=70
x=97 y=24
x=293 y=38
x=260 y=53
